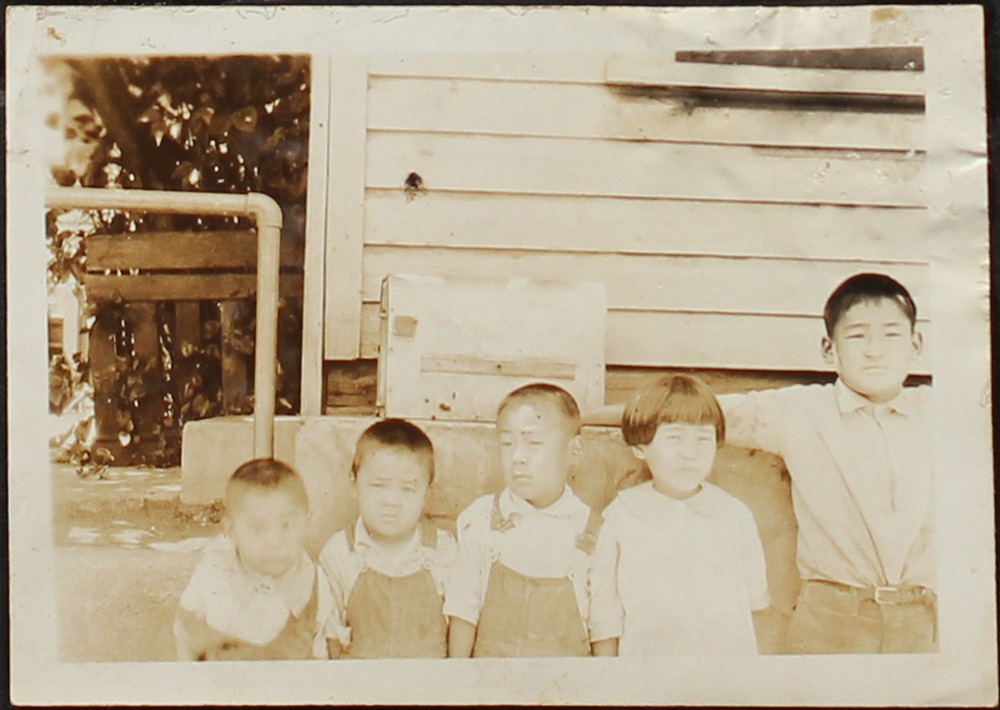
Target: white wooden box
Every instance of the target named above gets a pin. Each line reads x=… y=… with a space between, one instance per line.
x=451 y=348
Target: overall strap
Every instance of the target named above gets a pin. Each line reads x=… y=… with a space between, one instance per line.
x=587 y=539
x=350 y=534
x=428 y=533
x=497 y=521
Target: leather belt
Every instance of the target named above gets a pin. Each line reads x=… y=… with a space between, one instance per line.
x=884 y=595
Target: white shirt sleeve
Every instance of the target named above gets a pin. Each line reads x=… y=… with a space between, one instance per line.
x=192 y=609
x=328 y=619
x=444 y=558
x=754 y=419
x=336 y=564
x=464 y=591
x=754 y=563
x=606 y=612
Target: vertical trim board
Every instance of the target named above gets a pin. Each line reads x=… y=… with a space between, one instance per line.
x=345 y=209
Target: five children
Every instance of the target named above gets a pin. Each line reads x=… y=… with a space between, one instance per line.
x=673 y=566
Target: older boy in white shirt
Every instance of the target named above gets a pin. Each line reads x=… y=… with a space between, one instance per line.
x=860 y=458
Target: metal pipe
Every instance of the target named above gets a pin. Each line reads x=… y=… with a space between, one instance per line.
x=267 y=215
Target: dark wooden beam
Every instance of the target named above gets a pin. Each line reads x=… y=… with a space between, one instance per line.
x=854 y=58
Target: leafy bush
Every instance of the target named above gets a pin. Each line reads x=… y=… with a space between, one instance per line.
x=226 y=124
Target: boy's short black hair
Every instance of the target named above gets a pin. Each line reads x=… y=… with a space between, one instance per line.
x=542 y=391
x=866 y=287
x=673 y=399
x=397 y=434
x=265 y=475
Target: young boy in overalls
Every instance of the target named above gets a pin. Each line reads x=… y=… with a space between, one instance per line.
x=387 y=569
x=521 y=585
x=256 y=594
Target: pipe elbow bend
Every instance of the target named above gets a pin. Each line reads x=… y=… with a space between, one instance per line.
x=266 y=212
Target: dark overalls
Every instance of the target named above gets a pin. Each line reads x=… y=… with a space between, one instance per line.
x=396 y=617
x=526 y=616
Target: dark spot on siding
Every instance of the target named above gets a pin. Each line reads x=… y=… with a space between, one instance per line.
x=413 y=185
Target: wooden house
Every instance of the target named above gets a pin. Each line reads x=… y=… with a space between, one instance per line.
x=719 y=195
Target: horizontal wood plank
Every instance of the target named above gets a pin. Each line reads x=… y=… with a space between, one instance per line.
x=719 y=340
x=183 y=287
x=637 y=169
x=656 y=71
x=646 y=226
x=648 y=281
x=181 y=250
x=533 y=109
x=556 y=68
x=699 y=340
x=474 y=365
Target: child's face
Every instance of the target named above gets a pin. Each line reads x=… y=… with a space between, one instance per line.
x=680 y=457
x=392 y=489
x=873 y=348
x=269 y=529
x=535 y=443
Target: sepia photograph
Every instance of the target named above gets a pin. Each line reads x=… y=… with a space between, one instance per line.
x=407 y=355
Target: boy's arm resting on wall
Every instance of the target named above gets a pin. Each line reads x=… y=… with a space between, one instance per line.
x=608 y=415
x=754 y=419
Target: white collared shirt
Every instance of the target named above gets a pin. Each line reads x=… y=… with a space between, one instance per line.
x=689 y=572
x=862 y=478
x=343 y=566
x=537 y=543
x=253 y=607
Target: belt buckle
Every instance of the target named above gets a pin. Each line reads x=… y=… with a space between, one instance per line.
x=879 y=591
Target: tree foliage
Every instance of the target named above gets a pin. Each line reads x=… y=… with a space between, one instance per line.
x=226 y=124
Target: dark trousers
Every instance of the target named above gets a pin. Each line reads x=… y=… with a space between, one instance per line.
x=831 y=618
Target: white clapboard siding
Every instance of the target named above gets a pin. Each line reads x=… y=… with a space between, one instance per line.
x=716 y=340
x=708 y=283
x=694 y=339
x=718 y=204
x=855 y=234
x=561 y=68
x=638 y=169
x=494 y=107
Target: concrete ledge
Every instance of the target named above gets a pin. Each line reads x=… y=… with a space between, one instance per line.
x=322 y=447
x=211 y=449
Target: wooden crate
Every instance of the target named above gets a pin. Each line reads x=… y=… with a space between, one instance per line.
x=451 y=348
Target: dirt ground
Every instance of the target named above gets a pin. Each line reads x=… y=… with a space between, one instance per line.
x=125 y=548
